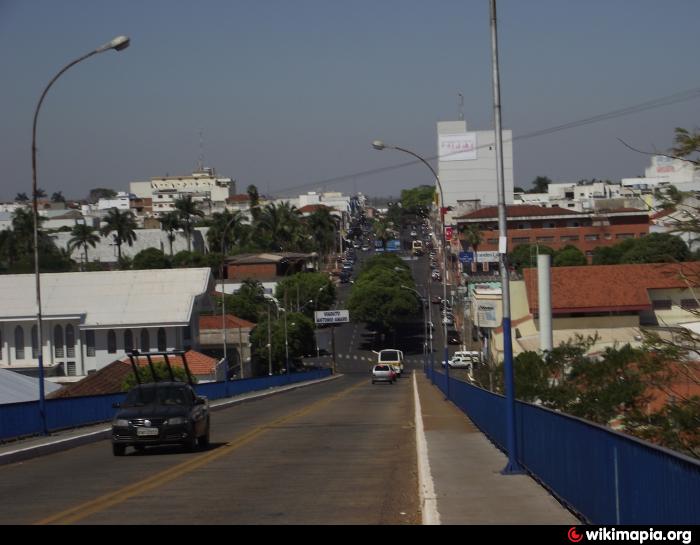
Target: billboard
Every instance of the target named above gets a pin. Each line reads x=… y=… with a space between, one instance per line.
x=393 y=245
x=487 y=313
x=457 y=147
x=332 y=316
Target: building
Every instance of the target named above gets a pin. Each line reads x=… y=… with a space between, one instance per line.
x=555 y=227
x=238 y=331
x=92 y=318
x=614 y=302
x=467 y=165
x=204 y=186
x=267 y=266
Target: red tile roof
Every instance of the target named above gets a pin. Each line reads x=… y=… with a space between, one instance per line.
x=109 y=379
x=232 y=322
x=598 y=288
x=310 y=208
x=244 y=197
x=519 y=210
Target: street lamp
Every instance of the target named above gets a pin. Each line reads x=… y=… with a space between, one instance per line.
x=223 y=301
x=118 y=43
x=286 y=341
x=425 y=324
x=380 y=146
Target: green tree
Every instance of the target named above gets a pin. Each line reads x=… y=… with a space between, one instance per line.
x=525 y=255
x=418 y=200
x=150 y=258
x=248 y=302
x=657 y=248
x=170 y=223
x=254 y=200
x=58 y=197
x=230 y=224
x=687 y=144
x=281 y=227
x=83 y=236
x=101 y=193
x=187 y=211
x=323 y=228
x=21 y=197
x=569 y=256
x=122 y=227
x=540 y=184
x=297 y=290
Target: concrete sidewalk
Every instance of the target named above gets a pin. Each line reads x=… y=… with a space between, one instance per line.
x=465 y=468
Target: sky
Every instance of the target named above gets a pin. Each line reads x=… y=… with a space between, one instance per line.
x=289 y=94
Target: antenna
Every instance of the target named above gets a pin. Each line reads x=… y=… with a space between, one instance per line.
x=460 y=107
x=201 y=151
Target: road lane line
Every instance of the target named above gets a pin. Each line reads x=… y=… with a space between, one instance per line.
x=426 y=487
x=84 y=510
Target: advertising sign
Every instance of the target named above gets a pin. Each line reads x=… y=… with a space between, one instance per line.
x=393 y=245
x=448 y=233
x=487 y=257
x=457 y=147
x=332 y=316
x=486 y=314
x=466 y=257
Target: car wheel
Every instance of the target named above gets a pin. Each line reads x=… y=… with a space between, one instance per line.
x=118 y=450
x=204 y=439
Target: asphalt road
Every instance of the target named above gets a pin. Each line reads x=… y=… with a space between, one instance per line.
x=341 y=452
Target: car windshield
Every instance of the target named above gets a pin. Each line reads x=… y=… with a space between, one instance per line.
x=389 y=355
x=163 y=395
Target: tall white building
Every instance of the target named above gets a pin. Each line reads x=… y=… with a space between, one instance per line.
x=204 y=186
x=467 y=165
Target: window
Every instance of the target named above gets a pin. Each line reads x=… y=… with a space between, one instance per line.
x=19 y=342
x=128 y=340
x=162 y=340
x=661 y=304
x=70 y=369
x=111 y=342
x=58 y=341
x=624 y=235
x=689 y=304
x=145 y=341
x=90 y=343
x=70 y=341
x=35 y=343
x=545 y=239
x=591 y=237
x=521 y=240
x=570 y=238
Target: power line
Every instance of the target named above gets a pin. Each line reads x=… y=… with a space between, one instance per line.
x=649 y=105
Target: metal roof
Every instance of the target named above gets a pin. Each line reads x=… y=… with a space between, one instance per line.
x=16 y=388
x=107 y=298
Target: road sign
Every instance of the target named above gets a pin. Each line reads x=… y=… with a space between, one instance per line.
x=393 y=245
x=332 y=316
x=466 y=257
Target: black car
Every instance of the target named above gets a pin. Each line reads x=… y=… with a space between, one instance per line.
x=160 y=413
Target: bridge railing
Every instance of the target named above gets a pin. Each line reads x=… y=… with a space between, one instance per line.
x=23 y=419
x=605 y=476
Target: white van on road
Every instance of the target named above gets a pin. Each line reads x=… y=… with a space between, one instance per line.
x=391 y=357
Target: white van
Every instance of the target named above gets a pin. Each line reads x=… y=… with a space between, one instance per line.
x=391 y=357
x=470 y=356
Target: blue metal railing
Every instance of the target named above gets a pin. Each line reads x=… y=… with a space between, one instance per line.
x=23 y=419
x=605 y=476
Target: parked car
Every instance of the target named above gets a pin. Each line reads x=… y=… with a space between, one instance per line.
x=160 y=413
x=436 y=299
x=383 y=373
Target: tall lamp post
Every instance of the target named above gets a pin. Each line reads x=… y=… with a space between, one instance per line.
x=286 y=341
x=425 y=324
x=118 y=43
x=379 y=145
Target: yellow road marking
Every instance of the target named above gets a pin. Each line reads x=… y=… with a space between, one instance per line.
x=79 y=512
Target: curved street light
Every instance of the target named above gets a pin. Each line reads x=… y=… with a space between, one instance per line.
x=423 y=303
x=380 y=146
x=118 y=44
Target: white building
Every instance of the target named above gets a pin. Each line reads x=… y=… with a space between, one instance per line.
x=90 y=319
x=467 y=165
x=205 y=187
x=677 y=172
x=120 y=202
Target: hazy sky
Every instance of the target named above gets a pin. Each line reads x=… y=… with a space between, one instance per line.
x=290 y=93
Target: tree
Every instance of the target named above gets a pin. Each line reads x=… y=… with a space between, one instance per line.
x=254 y=199
x=83 y=236
x=417 y=200
x=185 y=259
x=540 y=184
x=122 y=226
x=281 y=226
x=225 y=223
x=40 y=193
x=300 y=339
x=58 y=197
x=187 y=210
x=525 y=255
x=162 y=374
x=21 y=197
x=472 y=236
x=322 y=227
x=569 y=256
x=170 y=223
x=150 y=258
x=301 y=288
x=686 y=144
x=101 y=193
x=248 y=302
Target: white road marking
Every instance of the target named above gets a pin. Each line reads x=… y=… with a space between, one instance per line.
x=426 y=486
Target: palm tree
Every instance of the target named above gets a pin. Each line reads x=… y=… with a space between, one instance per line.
x=83 y=235
x=187 y=210
x=282 y=225
x=170 y=223
x=228 y=223
x=123 y=225
x=322 y=227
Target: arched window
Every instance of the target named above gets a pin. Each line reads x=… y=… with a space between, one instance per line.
x=162 y=340
x=111 y=342
x=35 y=343
x=19 y=343
x=128 y=340
x=145 y=341
x=58 y=341
x=70 y=341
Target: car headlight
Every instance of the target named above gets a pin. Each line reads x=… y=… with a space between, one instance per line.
x=176 y=421
x=121 y=423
